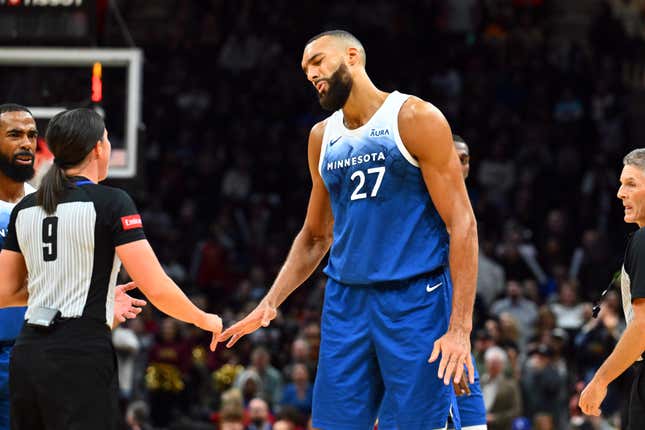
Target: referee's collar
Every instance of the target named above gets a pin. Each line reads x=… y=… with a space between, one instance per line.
x=80 y=180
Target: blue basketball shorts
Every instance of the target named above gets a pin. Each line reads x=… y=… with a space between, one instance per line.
x=5 y=353
x=472 y=411
x=376 y=341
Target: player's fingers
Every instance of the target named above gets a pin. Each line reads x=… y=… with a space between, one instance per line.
x=459 y=371
x=580 y=405
x=214 y=341
x=266 y=318
x=134 y=310
x=120 y=318
x=450 y=369
x=245 y=326
x=234 y=340
x=138 y=302
x=442 y=365
x=435 y=352
x=232 y=330
x=130 y=315
x=470 y=368
x=129 y=286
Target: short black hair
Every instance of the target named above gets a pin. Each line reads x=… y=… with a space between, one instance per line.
x=343 y=35
x=13 y=107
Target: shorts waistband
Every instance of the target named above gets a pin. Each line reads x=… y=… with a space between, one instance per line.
x=6 y=343
x=403 y=282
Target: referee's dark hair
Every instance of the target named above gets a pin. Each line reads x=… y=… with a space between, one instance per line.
x=71 y=135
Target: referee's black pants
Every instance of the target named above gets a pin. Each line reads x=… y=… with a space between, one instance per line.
x=636 y=403
x=64 y=379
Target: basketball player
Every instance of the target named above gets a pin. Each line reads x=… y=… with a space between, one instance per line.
x=631 y=346
x=463 y=152
x=18 y=135
x=389 y=199
x=470 y=399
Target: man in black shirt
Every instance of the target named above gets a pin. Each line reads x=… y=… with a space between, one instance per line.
x=630 y=347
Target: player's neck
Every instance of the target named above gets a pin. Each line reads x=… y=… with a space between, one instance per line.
x=10 y=190
x=364 y=100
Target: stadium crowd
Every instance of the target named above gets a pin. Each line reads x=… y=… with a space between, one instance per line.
x=227 y=113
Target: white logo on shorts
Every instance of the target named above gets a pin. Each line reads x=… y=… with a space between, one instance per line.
x=431 y=289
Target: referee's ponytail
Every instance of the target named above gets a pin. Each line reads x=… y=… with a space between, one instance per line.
x=71 y=135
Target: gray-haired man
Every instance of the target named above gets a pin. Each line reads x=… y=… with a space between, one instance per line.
x=630 y=347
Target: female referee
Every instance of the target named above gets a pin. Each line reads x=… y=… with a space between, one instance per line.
x=68 y=241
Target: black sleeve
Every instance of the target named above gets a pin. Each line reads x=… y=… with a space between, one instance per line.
x=125 y=221
x=636 y=264
x=11 y=243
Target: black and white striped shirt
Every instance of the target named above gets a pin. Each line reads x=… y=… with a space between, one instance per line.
x=70 y=255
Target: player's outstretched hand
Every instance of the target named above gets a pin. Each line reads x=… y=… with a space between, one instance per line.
x=126 y=307
x=212 y=323
x=591 y=398
x=454 y=348
x=261 y=316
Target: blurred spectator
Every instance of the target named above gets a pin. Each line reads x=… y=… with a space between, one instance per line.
x=490 y=278
x=270 y=380
x=126 y=346
x=168 y=361
x=523 y=311
x=258 y=415
x=568 y=107
x=283 y=425
x=299 y=393
x=300 y=354
x=501 y=394
x=231 y=407
x=250 y=384
x=567 y=309
x=137 y=416
x=543 y=388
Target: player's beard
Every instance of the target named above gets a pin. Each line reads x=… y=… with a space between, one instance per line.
x=339 y=86
x=14 y=171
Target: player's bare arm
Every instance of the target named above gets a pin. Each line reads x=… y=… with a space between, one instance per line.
x=13 y=286
x=426 y=134
x=308 y=249
x=628 y=349
x=144 y=268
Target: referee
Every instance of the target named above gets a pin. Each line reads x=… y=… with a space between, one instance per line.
x=630 y=347
x=70 y=238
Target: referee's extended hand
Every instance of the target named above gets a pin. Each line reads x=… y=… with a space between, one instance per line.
x=454 y=348
x=126 y=307
x=261 y=316
x=212 y=323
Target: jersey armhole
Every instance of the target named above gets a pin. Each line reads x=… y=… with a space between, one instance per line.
x=323 y=144
x=397 y=137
